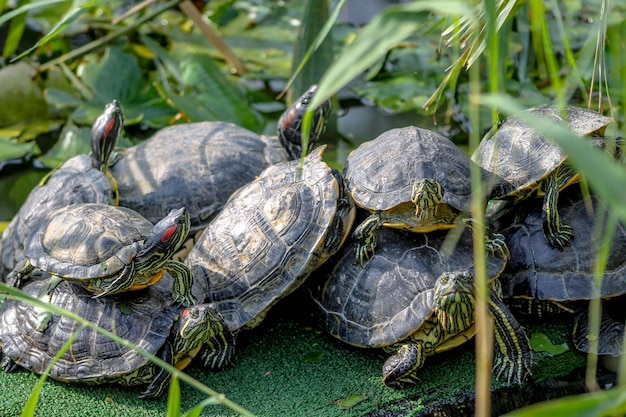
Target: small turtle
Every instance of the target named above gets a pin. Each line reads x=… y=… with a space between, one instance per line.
x=81 y=179
x=150 y=319
x=270 y=235
x=540 y=279
x=199 y=165
x=414 y=298
x=107 y=250
x=526 y=163
x=410 y=178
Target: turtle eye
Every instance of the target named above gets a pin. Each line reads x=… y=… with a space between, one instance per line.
x=168 y=233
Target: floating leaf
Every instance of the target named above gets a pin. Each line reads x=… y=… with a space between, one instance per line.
x=351 y=401
x=11 y=149
x=20 y=95
x=539 y=342
x=313 y=357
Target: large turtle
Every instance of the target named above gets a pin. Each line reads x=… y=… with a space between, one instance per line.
x=270 y=235
x=107 y=250
x=410 y=178
x=526 y=163
x=199 y=165
x=415 y=298
x=149 y=319
x=540 y=279
x=81 y=179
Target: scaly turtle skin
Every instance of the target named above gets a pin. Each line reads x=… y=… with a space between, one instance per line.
x=108 y=250
x=150 y=319
x=199 y=165
x=410 y=178
x=414 y=300
x=81 y=179
x=542 y=279
x=271 y=234
x=526 y=163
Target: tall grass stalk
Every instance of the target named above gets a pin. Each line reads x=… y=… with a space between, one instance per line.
x=17 y=294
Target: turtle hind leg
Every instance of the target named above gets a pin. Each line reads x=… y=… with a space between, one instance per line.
x=610 y=335
x=365 y=238
x=44 y=316
x=183 y=281
x=161 y=380
x=513 y=356
x=401 y=367
x=21 y=273
x=557 y=234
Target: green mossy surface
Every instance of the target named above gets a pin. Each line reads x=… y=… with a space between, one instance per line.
x=287 y=367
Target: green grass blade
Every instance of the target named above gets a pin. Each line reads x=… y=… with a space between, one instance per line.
x=605 y=176
x=27 y=7
x=65 y=21
x=16 y=30
x=31 y=404
x=173 y=398
x=17 y=294
x=603 y=403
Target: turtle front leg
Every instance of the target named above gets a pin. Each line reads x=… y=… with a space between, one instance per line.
x=20 y=274
x=219 y=351
x=513 y=356
x=365 y=239
x=401 y=367
x=556 y=233
x=183 y=281
x=427 y=195
x=494 y=242
x=161 y=380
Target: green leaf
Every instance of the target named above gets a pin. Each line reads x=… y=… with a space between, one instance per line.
x=604 y=403
x=20 y=95
x=173 y=398
x=539 y=342
x=11 y=149
x=73 y=141
x=16 y=30
x=351 y=401
x=313 y=357
x=117 y=75
x=27 y=7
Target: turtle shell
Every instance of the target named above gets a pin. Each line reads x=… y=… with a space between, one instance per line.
x=536 y=270
x=87 y=241
x=521 y=157
x=391 y=296
x=74 y=182
x=380 y=173
x=268 y=238
x=145 y=319
x=195 y=165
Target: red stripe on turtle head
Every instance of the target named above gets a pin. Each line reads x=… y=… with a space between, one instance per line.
x=109 y=127
x=167 y=234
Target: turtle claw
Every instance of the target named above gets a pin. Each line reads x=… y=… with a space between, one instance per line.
x=497 y=244
x=364 y=252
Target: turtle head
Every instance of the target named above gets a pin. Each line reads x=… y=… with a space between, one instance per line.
x=166 y=237
x=454 y=300
x=202 y=324
x=290 y=124
x=104 y=134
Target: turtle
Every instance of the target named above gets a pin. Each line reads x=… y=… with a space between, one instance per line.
x=269 y=237
x=199 y=165
x=540 y=280
x=149 y=319
x=414 y=298
x=526 y=164
x=81 y=179
x=107 y=250
x=410 y=178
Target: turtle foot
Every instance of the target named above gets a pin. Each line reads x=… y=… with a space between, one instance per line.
x=497 y=244
x=184 y=300
x=512 y=370
x=364 y=252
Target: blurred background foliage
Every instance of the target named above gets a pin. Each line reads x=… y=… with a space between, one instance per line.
x=74 y=57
